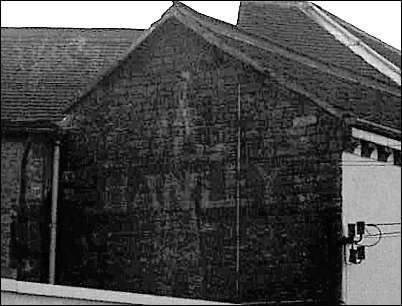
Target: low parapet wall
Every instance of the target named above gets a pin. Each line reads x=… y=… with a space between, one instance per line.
x=27 y=293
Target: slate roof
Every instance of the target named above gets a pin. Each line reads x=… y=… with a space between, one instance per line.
x=390 y=53
x=42 y=69
x=286 y=23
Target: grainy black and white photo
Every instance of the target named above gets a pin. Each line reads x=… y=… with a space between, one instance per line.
x=200 y=152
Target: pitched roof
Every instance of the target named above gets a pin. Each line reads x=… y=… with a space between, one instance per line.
x=390 y=53
x=305 y=28
x=42 y=69
x=357 y=95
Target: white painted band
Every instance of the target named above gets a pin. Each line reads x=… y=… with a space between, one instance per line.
x=375 y=138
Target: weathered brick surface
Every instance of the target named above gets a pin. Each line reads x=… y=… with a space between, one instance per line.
x=24 y=207
x=11 y=153
x=148 y=197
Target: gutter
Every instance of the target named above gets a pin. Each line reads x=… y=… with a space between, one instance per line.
x=377 y=139
x=53 y=222
x=376 y=128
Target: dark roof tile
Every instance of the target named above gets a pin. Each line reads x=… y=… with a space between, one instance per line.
x=43 y=69
x=285 y=23
x=390 y=53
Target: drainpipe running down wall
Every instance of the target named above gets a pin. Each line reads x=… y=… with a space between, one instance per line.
x=53 y=222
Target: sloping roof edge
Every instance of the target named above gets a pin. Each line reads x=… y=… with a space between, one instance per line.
x=343 y=33
x=241 y=36
x=355 y=44
x=44 y=68
x=212 y=39
x=106 y=72
x=191 y=22
x=181 y=14
x=265 y=44
x=360 y=31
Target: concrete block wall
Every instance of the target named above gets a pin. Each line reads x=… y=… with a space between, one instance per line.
x=149 y=191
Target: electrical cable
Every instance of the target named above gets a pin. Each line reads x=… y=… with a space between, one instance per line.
x=394 y=223
x=362 y=161
x=368 y=163
x=383 y=234
x=367 y=231
x=369 y=166
x=386 y=237
x=379 y=237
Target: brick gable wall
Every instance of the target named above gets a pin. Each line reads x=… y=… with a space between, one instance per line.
x=150 y=205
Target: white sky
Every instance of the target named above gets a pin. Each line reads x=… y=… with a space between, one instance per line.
x=379 y=18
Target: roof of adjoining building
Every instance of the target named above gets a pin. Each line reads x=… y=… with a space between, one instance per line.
x=390 y=53
x=42 y=69
x=343 y=83
x=288 y=24
x=338 y=90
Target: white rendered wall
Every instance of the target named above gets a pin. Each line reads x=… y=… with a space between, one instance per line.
x=371 y=192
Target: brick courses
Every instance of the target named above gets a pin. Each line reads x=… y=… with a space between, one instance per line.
x=25 y=195
x=151 y=206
